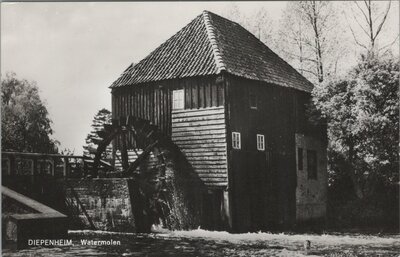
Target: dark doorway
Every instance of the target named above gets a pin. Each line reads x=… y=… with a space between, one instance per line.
x=252 y=191
x=211 y=211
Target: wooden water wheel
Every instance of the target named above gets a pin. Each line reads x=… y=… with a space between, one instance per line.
x=148 y=181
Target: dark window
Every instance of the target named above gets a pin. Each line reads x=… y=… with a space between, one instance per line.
x=252 y=99
x=300 y=158
x=312 y=164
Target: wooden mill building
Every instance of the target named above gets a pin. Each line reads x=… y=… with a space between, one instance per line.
x=237 y=112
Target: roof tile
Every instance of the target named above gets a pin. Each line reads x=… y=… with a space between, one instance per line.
x=210 y=44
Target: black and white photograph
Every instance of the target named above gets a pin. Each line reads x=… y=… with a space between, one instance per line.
x=200 y=128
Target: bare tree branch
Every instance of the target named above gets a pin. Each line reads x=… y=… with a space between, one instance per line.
x=390 y=44
x=371 y=28
x=355 y=39
x=383 y=21
x=310 y=44
x=362 y=11
x=353 y=34
x=361 y=26
x=298 y=56
x=366 y=4
x=311 y=72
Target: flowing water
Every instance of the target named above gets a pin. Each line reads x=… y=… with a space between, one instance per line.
x=212 y=243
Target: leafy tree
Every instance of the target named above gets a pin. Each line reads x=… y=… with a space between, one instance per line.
x=25 y=122
x=102 y=117
x=363 y=120
x=67 y=151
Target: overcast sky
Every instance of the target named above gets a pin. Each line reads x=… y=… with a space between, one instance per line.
x=74 y=51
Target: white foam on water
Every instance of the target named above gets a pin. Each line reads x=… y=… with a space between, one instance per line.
x=159 y=229
x=99 y=232
x=282 y=238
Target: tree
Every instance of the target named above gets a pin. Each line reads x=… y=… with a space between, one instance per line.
x=310 y=38
x=232 y=12
x=363 y=120
x=258 y=23
x=102 y=117
x=370 y=17
x=262 y=26
x=25 y=122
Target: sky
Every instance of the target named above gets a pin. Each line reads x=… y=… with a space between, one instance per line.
x=74 y=51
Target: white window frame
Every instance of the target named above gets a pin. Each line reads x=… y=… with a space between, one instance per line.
x=236 y=142
x=178 y=99
x=260 y=142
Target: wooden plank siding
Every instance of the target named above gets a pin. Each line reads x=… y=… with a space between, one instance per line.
x=201 y=136
x=153 y=101
x=280 y=113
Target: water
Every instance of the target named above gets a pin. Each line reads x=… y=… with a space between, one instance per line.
x=211 y=243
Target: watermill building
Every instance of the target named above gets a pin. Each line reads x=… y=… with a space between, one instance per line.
x=237 y=112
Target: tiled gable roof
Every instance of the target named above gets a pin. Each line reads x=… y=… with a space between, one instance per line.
x=210 y=44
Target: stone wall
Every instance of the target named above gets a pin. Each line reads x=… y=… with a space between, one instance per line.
x=311 y=194
x=24 y=218
x=107 y=202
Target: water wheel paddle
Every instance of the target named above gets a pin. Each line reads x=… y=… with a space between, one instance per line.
x=147 y=182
